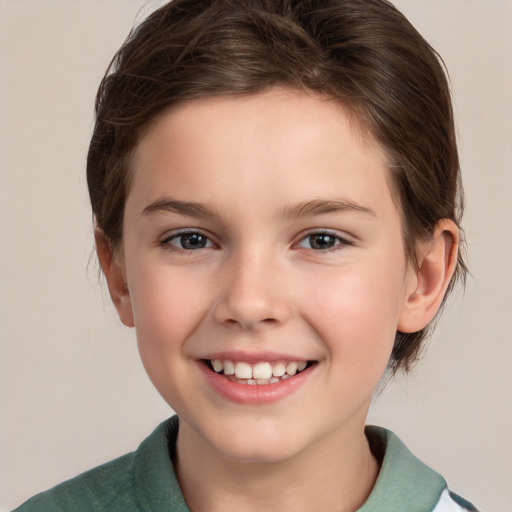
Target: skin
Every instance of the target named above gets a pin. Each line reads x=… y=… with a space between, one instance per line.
x=259 y=285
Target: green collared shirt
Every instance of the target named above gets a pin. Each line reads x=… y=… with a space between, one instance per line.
x=145 y=481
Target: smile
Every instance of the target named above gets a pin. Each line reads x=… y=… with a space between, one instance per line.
x=256 y=379
x=262 y=373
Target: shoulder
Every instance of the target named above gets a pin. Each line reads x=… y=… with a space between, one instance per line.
x=405 y=484
x=101 y=488
x=140 y=480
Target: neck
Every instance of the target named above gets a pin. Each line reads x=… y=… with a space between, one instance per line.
x=336 y=473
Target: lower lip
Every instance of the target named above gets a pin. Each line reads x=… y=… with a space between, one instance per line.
x=258 y=393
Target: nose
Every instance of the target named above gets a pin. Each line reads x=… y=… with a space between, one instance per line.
x=253 y=294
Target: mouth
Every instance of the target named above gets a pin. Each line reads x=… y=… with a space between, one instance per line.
x=263 y=373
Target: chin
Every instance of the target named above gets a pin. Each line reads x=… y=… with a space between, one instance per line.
x=257 y=455
x=257 y=446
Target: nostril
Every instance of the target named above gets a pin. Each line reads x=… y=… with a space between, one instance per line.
x=264 y=321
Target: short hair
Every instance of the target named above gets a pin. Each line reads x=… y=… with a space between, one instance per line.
x=362 y=53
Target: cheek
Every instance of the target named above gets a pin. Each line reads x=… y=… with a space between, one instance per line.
x=167 y=309
x=356 y=313
x=167 y=305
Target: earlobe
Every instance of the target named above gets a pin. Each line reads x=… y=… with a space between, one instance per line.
x=427 y=284
x=115 y=276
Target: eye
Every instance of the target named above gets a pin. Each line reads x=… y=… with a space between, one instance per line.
x=189 y=241
x=322 y=241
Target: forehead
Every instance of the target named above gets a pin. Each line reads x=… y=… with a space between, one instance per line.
x=272 y=147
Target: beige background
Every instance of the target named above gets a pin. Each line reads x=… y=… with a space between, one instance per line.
x=73 y=393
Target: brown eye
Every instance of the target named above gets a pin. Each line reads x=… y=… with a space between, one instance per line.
x=322 y=241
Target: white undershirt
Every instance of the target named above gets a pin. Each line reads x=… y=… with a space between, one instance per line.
x=446 y=504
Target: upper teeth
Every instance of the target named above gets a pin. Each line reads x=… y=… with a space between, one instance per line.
x=259 y=371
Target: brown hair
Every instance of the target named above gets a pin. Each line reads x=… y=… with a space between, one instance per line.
x=362 y=53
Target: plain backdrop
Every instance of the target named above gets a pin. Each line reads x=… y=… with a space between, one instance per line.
x=73 y=393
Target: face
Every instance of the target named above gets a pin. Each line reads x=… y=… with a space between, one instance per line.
x=265 y=271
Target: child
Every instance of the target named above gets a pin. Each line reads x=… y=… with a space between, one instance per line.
x=276 y=191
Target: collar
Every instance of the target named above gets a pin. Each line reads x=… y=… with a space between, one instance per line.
x=404 y=483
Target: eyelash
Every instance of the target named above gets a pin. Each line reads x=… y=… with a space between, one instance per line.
x=340 y=242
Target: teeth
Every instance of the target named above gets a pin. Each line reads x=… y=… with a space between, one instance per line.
x=229 y=368
x=243 y=370
x=217 y=365
x=261 y=373
x=291 y=369
x=279 y=370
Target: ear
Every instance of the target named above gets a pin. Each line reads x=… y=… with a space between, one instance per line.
x=427 y=284
x=115 y=275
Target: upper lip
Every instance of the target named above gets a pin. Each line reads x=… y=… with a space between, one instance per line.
x=253 y=357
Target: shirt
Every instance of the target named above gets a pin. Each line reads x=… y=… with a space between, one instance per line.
x=145 y=481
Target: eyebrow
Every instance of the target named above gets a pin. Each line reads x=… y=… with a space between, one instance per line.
x=189 y=208
x=305 y=209
x=322 y=206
